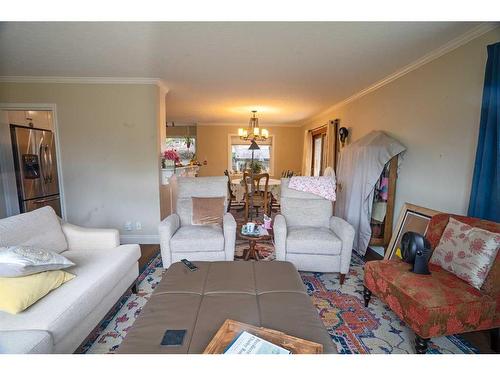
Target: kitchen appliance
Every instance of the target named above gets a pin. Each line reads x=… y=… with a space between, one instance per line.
x=36 y=168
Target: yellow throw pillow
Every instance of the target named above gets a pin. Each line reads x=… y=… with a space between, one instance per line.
x=19 y=293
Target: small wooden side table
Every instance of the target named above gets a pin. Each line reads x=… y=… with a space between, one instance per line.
x=252 y=252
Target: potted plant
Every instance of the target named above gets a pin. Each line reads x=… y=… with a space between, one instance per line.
x=170 y=158
x=256 y=166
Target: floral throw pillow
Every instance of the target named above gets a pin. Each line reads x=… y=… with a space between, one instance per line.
x=467 y=252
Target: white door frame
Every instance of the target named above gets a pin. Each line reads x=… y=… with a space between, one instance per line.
x=45 y=107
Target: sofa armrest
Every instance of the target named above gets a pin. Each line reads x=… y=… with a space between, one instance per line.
x=167 y=229
x=26 y=341
x=345 y=232
x=229 y=228
x=280 y=233
x=80 y=238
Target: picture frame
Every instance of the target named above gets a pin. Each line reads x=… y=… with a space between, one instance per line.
x=411 y=218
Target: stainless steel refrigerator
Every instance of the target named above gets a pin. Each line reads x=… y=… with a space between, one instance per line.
x=36 y=168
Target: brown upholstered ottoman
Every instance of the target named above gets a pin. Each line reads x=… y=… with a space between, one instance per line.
x=267 y=294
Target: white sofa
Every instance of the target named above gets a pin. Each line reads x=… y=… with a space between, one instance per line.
x=59 y=322
x=180 y=239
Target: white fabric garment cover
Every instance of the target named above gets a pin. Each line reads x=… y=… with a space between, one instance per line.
x=360 y=166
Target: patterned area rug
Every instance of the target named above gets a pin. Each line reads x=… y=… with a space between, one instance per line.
x=357 y=329
x=353 y=328
x=265 y=248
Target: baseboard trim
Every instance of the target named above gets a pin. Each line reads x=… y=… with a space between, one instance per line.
x=143 y=239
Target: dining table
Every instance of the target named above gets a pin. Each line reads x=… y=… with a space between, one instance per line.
x=274 y=187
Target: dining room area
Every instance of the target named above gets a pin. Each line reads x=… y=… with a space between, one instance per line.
x=253 y=155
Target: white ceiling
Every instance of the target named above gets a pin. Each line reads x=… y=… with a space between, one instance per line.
x=218 y=72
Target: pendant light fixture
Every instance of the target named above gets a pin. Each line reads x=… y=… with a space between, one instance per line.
x=254 y=132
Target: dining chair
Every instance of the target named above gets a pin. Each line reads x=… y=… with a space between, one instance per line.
x=231 y=196
x=260 y=196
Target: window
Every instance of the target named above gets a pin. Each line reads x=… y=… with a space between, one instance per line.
x=240 y=156
x=185 y=146
x=318 y=159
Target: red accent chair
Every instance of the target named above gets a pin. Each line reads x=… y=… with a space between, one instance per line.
x=439 y=304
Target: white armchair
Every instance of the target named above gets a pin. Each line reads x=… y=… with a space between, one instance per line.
x=306 y=233
x=180 y=239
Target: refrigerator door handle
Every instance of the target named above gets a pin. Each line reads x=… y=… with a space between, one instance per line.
x=51 y=164
x=43 y=162
x=45 y=200
x=42 y=167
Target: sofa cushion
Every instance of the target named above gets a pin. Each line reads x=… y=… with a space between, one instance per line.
x=188 y=187
x=26 y=260
x=193 y=238
x=26 y=342
x=97 y=271
x=302 y=208
x=208 y=211
x=311 y=212
x=466 y=251
x=312 y=240
x=39 y=228
x=19 y=293
x=491 y=285
x=432 y=305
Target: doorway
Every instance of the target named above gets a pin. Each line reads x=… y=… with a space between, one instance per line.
x=319 y=149
x=30 y=158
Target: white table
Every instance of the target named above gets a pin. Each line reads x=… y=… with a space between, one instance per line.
x=274 y=187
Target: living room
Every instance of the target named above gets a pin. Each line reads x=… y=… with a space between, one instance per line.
x=298 y=187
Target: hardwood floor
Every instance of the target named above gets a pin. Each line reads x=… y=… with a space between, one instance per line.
x=480 y=340
x=147 y=252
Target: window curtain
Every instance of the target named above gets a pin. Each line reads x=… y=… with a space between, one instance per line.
x=485 y=193
x=306 y=166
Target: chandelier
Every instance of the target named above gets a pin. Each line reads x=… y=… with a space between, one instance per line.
x=253 y=133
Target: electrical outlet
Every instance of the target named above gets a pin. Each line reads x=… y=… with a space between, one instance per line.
x=127 y=225
x=138 y=225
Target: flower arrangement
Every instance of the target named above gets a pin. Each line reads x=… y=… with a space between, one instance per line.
x=170 y=158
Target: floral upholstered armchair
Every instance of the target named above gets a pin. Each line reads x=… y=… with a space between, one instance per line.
x=439 y=304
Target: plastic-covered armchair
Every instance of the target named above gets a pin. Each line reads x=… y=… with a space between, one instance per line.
x=308 y=235
x=180 y=239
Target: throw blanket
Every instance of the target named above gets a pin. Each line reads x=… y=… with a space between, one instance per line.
x=324 y=186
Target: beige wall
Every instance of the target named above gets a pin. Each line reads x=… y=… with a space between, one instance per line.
x=109 y=148
x=213 y=147
x=434 y=111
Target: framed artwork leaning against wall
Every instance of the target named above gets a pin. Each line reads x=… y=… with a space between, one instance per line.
x=412 y=218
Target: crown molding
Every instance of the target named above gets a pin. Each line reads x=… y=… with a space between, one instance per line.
x=453 y=44
x=86 y=80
